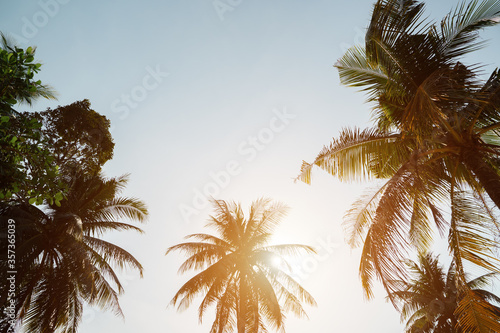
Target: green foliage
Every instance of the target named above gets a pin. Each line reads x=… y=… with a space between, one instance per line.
x=45 y=151
x=27 y=168
x=17 y=72
x=77 y=137
x=54 y=158
x=26 y=165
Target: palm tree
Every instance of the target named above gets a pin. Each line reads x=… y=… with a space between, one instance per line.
x=429 y=300
x=238 y=274
x=435 y=140
x=62 y=262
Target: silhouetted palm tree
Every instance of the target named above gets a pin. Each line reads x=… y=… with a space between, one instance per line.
x=436 y=139
x=238 y=275
x=62 y=260
x=429 y=299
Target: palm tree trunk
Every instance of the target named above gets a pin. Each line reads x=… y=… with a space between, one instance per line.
x=489 y=179
x=241 y=306
x=241 y=321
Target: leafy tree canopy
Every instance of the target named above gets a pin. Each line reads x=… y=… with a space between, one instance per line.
x=25 y=163
x=77 y=136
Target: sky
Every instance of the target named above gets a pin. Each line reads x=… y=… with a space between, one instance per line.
x=218 y=98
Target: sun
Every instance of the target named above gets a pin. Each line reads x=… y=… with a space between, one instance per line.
x=276 y=262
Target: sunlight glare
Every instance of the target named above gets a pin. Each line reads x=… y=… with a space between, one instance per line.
x=276 y=262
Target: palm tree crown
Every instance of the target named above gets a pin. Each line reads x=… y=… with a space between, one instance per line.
x=429 y=299
x=435 y=140
x=238 y=274
x=435 y=136
x=62 y=260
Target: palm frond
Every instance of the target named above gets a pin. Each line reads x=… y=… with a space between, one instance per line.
x=469 y=239
x=459 y=29
x=130 y=208
x=210 y=239
x=357 y=155
x=475 y=315
x=202 y=281
x=356 y=71
x=97 y=228
x=361 y=215
x=113 y=253
x=288 y=249
x=202 y=259
x=386 y=242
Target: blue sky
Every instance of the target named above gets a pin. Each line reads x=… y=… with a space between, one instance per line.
x=195 y=94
